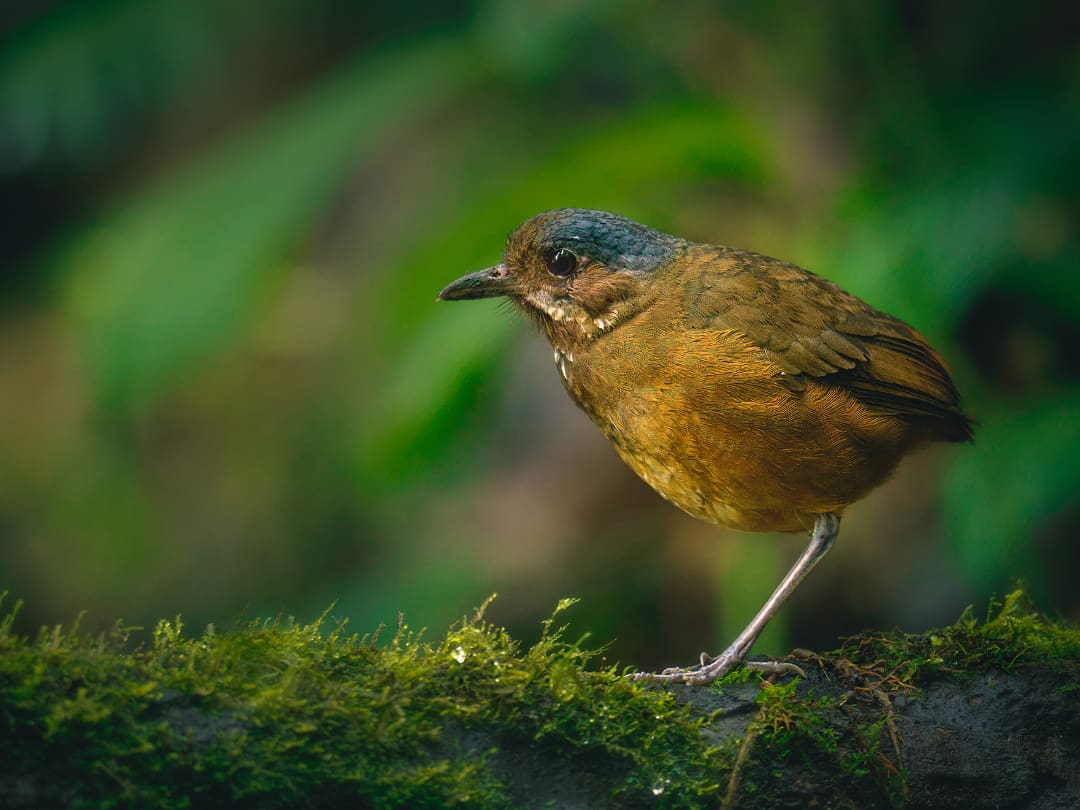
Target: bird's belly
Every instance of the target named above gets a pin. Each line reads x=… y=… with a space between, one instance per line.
x=755 y=459
x=739 y=494
x=682 y=488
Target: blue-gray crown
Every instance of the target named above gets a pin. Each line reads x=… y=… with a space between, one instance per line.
x=615 y=241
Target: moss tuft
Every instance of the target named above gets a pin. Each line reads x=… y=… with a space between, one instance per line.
x=1014 y=636
x=284 y=714
x=280 y=714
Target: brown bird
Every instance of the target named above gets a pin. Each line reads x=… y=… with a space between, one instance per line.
x=745 y=390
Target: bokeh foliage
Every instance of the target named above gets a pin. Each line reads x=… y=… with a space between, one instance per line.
x=225 y=385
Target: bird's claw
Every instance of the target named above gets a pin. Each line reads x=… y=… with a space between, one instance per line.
x=712 y=669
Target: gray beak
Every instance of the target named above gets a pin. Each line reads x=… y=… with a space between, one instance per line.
x=490 y=283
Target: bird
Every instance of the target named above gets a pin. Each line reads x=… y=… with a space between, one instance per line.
x=745 y=390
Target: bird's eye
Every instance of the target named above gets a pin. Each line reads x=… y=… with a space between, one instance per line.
x=561 y=262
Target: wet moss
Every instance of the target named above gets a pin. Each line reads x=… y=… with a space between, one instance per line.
x=284 y=714
x=1013 y=636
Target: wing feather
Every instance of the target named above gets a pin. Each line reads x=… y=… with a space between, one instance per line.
x=812 y=328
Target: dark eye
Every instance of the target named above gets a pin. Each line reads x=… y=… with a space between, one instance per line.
x=561 y=262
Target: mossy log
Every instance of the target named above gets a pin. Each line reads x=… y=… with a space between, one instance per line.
x=278 y=714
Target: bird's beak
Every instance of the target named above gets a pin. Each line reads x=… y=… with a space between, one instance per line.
x=488 y=283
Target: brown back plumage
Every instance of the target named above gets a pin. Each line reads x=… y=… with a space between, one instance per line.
x=814 y=329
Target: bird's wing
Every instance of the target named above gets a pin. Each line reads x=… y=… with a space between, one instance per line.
x=813 y=329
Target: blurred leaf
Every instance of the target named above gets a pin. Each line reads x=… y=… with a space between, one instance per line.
x=85 y=77
x=925 y=247
x=1022 y=471
x=923 y=255
x=538 y=43
x=166 y=278
x=67 y=80
x=1056 y=283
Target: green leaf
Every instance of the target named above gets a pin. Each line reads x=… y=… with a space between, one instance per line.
x=169 y=276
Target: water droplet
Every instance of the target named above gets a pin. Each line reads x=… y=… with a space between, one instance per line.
x=459 y=655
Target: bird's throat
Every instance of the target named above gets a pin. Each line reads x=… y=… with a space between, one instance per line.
x=568 y=326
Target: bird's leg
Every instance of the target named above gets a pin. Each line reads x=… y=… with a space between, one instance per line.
x=826 y=527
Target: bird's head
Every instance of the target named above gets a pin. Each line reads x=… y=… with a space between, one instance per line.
x=577 y=272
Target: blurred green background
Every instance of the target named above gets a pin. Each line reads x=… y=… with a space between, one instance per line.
x=226 y=389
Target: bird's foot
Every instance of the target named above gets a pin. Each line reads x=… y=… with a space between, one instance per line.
x=710 y=669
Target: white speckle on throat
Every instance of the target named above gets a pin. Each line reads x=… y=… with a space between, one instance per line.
x=604 y=324
x=564 y=360
x=563 y=310
x=557 y=310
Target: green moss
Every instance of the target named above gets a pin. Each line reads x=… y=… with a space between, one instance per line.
x=1014 y=635
x=786 y=716
x=278 y=713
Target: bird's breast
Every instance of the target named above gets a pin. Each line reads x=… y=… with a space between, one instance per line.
x=654 y=414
